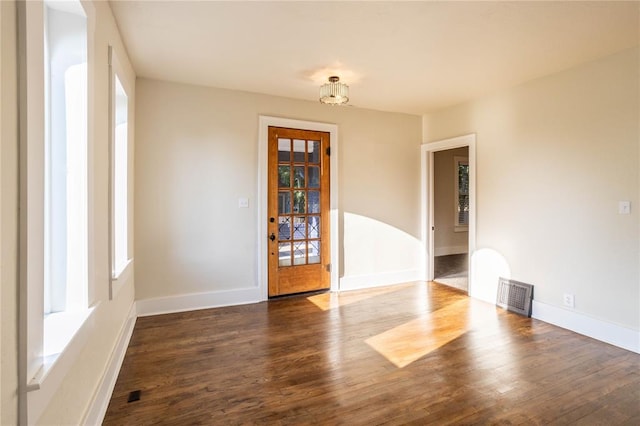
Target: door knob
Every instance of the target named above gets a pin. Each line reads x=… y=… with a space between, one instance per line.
x=272 y=237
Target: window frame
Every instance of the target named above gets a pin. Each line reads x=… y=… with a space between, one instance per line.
x=68 y=196
x=66 y=230
x=119 y=275
x=457 y=225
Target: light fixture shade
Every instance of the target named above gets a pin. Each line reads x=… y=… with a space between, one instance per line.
x=334 y=92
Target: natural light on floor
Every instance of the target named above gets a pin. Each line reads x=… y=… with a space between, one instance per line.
x=331 y=300
x=410 y=341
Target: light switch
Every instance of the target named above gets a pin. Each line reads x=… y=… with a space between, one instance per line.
x=243 y=203
x=624 y=207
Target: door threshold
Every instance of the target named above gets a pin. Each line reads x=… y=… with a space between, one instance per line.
x=301 y=294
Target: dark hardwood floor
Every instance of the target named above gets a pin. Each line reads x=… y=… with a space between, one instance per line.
x=421 y=353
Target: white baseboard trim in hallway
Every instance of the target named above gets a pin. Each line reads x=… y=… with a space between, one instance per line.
x=194 y=301
x=603 y=331
x=446 y=251
x=98 y=407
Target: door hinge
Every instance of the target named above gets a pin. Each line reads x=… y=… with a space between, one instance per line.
x=328 y=151
x=328 y=267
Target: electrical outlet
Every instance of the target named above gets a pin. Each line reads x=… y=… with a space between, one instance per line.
x=569 y=300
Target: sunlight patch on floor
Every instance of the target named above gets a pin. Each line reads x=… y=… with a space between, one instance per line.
x=332 y=300
x=410 y=341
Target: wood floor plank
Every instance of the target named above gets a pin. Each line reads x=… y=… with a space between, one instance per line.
x=418 y=353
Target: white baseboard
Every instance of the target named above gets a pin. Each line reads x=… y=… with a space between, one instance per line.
x=100 y=403
x=194 y=301
x=379 y=280
x=446 y=251
x=607 y=332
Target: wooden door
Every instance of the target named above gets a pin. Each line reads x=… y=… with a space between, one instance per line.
x=298 y=211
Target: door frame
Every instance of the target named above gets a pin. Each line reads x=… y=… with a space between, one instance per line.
x=262 y=196
x=427 y=151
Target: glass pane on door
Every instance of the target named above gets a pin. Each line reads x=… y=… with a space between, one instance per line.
x=284 y=202
x=298 y=177
x=284 y=228
x=299 y=253
x=284 y=176
x=284 y=150
x=298 y=151
x=299 y=228
x=314 y=202
x=299 y=201
x=314 y=252
x=284 y=254
x=314 y=176
x=314 y=227
x=314 y=151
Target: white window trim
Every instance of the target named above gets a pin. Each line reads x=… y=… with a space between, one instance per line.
x=39 y=376
x=120 y=275
x=457 y=160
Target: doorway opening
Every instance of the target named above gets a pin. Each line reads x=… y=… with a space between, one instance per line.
x=448 y=211
x=451 y=217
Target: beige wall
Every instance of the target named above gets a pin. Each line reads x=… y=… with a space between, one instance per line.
x=554 y=158
x=446 y=239
x=197 y=153
x=74 y=393
x=8 y=216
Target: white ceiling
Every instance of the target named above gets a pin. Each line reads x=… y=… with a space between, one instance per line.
x=411 y=57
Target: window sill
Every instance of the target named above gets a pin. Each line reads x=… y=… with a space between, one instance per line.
x=56 y=366
x=122 y=269
x=59 y=329
x=64 y=336
x=120 y=277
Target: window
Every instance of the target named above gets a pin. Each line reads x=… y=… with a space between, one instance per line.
x=65 y=173
x=119 y=179
x=461 y=199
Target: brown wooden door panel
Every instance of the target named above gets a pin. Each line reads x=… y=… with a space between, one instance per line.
x=298 y=211
x=300 y=279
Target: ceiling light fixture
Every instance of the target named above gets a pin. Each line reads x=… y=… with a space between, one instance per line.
x=334 y=92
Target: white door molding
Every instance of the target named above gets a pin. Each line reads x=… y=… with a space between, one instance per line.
x=263 y=141
x=427 y=215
